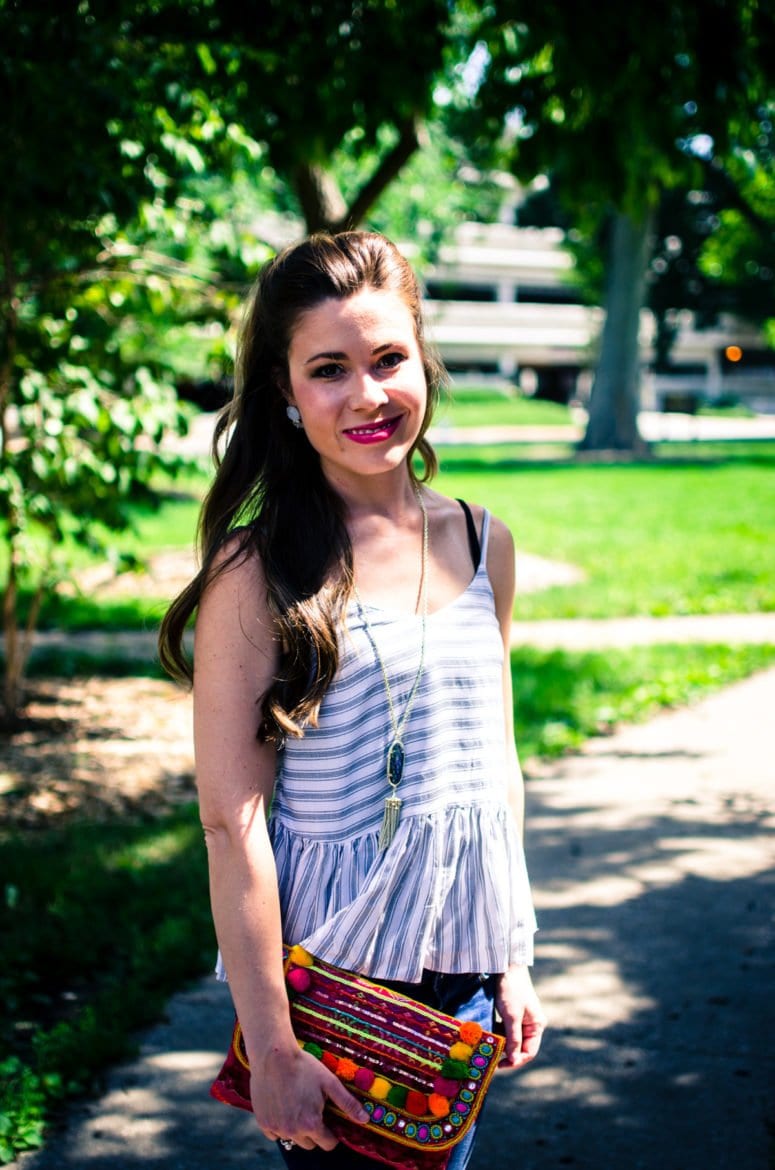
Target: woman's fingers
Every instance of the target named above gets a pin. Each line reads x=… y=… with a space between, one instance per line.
x=523 y=1017
x=304 y=1122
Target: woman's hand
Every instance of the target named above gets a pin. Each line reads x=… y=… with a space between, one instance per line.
x=520 y=1009
x=289 y=1092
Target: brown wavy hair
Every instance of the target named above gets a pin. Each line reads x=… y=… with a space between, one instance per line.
x=269 y=494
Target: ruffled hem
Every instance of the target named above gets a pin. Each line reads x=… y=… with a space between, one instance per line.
x=451 y=894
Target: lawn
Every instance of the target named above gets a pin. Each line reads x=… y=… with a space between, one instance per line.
x=472 y=407
x=652 y=538
x=677 y=536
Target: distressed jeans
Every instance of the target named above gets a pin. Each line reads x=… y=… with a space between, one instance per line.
x=469 y=997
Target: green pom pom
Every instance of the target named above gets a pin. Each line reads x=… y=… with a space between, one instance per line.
x=454 y=1070
x=313 y=1049
x=397 y=1096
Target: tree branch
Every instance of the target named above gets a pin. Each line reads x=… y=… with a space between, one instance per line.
x=409 y=140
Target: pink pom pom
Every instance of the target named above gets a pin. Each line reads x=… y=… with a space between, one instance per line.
x=445 y=1088
x=299 y=979
x=364 y=1079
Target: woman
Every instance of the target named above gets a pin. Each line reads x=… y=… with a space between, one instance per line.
x=358 y=780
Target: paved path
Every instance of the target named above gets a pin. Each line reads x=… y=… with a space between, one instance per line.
x=593 y=634
x=651 y=856
x=574 y=634
x=654 y=426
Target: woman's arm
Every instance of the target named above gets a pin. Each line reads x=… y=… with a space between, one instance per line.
x=236 y=656
x=516 y=1000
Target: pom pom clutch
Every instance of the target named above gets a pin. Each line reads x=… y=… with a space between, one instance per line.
x=421 y=1075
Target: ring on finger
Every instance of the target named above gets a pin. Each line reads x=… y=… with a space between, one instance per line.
x=286 y=1143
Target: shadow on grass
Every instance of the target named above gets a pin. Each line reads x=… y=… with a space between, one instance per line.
x=664 y=457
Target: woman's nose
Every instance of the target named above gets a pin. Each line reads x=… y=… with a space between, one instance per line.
x=367 y=391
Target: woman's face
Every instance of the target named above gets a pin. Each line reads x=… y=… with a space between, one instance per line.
x=356 y=376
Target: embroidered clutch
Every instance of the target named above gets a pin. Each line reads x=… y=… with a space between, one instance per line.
x=421 y=1075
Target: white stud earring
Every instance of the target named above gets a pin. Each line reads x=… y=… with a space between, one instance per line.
x=293 y=414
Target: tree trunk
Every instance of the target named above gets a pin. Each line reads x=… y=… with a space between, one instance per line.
x=13 y=669
x=615 y=397
x=13 y=666
x=322 y=203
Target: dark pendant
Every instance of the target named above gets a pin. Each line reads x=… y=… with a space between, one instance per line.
x=395 y=762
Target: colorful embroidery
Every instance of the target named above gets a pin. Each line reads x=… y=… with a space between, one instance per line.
x=419 y=1074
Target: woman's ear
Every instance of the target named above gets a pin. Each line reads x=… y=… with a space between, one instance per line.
x=280 y=379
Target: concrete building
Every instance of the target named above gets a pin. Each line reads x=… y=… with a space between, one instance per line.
x=501 y=306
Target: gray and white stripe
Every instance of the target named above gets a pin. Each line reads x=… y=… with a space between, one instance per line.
x=451 y=892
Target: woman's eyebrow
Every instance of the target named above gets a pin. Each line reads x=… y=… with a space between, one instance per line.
x=336 y=357
x=339 y=356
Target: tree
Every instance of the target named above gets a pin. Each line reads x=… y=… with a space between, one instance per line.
x=619 y=107
x=116 y=115
x=88 y=149
x=309 y=80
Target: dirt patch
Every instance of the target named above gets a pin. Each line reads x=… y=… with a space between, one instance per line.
x=97 y=749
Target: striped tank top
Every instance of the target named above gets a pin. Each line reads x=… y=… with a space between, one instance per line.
x=451 y=891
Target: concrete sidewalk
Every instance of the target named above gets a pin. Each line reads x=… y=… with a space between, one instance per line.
x=651 y=857
x=571 y=633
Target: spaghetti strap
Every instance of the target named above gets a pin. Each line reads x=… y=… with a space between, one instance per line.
x=473 y=538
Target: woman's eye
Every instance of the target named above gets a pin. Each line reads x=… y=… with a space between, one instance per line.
x=389 y=361
x=331 y=370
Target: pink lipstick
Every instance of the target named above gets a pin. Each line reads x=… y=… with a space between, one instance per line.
x=376 y=432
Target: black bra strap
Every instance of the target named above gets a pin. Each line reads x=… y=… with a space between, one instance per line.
x=473 y=538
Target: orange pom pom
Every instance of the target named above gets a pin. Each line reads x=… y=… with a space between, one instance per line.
x=438 y=1105
x=380 y=1088
x=471 y=1033
x=346 y=1069
x=461 y=1051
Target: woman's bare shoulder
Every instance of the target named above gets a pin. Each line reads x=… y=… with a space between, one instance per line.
x=234 y=607
x=235 y=565
x=500 y=539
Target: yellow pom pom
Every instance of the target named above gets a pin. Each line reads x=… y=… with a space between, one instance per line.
x=300 y=957
x=380 y=1088
x=461 y=1051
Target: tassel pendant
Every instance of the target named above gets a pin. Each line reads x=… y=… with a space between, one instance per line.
x=389 y=821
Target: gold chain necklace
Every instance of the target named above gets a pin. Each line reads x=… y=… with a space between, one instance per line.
x=396 y=753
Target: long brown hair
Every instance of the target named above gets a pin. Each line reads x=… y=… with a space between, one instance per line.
x=269 y=488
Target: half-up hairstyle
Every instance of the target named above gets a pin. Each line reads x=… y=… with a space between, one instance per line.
x=269 y=494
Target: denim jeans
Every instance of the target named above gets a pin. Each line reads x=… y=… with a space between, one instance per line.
x=469 y=997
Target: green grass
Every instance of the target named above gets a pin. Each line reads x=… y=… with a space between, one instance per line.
x=653 y=538
x=472 y=407
x=103 y=923
x=563 y=698
x=691 y=531
x=662 y=537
